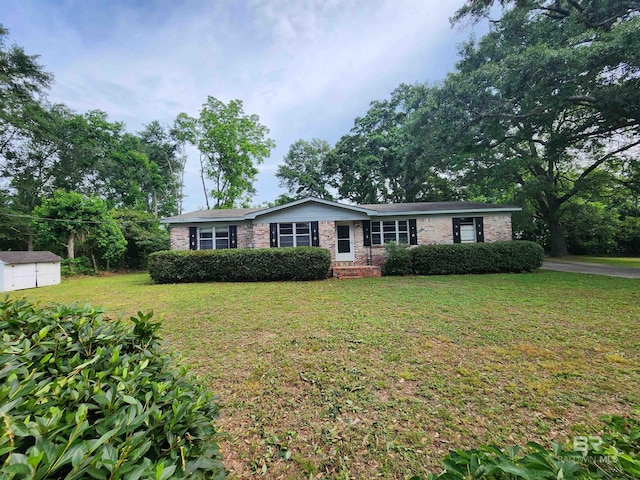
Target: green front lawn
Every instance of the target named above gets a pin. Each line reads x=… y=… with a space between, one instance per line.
x=632 y=262
x=381 y=377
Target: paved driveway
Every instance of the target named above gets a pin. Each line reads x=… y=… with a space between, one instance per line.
x=591 y=268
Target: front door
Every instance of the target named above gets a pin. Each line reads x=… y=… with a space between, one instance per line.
x=344 y=242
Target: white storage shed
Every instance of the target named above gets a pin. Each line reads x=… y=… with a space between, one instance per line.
x=20 y=270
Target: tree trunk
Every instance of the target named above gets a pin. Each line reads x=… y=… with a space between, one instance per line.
x=204 y=186
x=30 y=242
x=95 y=263
x=70 y=246
x=557 y=242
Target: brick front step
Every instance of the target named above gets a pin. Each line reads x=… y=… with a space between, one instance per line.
x=353 y=271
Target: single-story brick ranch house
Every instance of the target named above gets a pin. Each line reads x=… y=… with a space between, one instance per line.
x=354 y=234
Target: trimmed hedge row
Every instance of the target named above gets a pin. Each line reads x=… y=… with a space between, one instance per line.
x=86 y=398
x=452 y=259
x=242 y=265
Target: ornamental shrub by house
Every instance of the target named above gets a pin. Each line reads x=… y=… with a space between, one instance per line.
x=241 y=265
x=82 y=397
x=498 y=257
x=398 y=259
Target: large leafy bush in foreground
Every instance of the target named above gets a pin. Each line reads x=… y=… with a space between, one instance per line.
x=241 y=265
x=83 y=397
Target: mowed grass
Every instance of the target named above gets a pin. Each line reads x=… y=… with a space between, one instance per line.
x=631 y=262
x=380 y=378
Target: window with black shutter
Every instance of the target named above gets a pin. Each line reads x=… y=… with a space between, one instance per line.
x=413 y=232
x=315 y=234
x=366 y=230
x=233 y=236
x=479 y=221
x=193 y=238
x=468 y=229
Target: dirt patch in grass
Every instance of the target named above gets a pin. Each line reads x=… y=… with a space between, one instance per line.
x=380 y=378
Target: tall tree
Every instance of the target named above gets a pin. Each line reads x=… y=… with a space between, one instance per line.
x=130 y=179
x=64 y=150
x=231 y=145
x=79 y=222
x=547 y=103
x=184 y=133
x=144 y=235
x=23 y=82
x=594 y=14
x=303 y=172
x=162 y=149
x=385 y=157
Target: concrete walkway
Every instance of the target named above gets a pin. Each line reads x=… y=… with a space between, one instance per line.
x=591 y=268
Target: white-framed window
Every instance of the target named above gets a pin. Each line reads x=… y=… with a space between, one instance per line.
x=467 y=230
x=389 y=231
x=213 y=238
x=294 y=234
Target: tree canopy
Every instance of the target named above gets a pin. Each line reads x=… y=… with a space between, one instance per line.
x=80 y=223
x=231 y=145
x=543 y=111
x=549 y=103
x=304 y=171
x=73 y=169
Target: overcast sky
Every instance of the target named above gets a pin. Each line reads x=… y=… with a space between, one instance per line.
x=308 y=68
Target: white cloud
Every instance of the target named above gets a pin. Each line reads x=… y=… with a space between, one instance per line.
x=306 y=68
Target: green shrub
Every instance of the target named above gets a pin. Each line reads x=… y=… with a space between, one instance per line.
x=398 y=259
x=242 y=265
x=76 y=266
x=512 y=256
x=82 y=397
x=613 y=455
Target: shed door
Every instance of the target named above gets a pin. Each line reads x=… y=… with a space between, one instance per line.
x=22 y=276
x=48 y=274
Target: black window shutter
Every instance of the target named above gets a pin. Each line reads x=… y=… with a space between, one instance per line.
x=233 y=236
x=479 y=222
x=456 y=230
x=366 y=231
x=315 y=235
x=413 y=232
x=273 y=234
x=193 y=238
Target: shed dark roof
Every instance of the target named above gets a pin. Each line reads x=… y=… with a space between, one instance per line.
x=28 y=257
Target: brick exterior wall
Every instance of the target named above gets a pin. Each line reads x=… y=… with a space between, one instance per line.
x=327 y=233
x=245 y=236
x=431 y=230
x=261 y=235
x=497 y=228
x=434 y=230
x=179 y=238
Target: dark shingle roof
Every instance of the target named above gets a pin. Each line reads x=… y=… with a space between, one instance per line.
x=216 y=214
x=382 y=209
x=28 y=257
x=433 y=207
